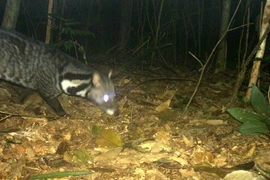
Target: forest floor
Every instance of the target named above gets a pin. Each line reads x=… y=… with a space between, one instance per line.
x=151 y=138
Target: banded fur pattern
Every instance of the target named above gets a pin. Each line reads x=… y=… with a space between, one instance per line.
x=36 y=66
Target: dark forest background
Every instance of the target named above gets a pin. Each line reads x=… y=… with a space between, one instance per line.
x=185 y=26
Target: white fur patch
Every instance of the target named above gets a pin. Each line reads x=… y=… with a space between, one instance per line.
x=81 y=93
x=65 y=84
x=110 y=111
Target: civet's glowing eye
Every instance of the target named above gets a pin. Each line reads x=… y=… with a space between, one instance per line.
x=106 y=98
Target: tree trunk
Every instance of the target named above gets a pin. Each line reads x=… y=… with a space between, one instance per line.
x=126 y=12
x=222 y=51
x=11 y=14
x=49 y=22
x=260 y=53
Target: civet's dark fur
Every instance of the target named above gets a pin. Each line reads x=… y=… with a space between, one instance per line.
x=36 y=66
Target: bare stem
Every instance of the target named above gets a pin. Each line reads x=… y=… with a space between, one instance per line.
x=210 y=56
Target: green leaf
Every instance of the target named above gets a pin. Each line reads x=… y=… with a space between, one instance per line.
x=60 y=174
x=82 y=157
x=68 y=45
x=57 y=45
x=95 y=130
x=253 y=128
x=244 y=99
x=259 y=103
x=243 y=115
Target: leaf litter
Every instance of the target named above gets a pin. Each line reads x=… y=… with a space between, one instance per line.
x=150 y=139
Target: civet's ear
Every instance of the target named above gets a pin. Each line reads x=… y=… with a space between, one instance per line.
x=96 y=80
x=110 y=73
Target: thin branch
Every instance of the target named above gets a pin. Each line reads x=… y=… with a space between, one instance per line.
x=238 y=27
x=210 y=56
x=200 y=62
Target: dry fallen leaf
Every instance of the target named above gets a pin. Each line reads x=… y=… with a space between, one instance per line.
x=187 y=173
x=160 y=147
x=163 y=136
x=251 y=151
x=107 y=156
x=215 y=122
x=164 y=105
x=188 y=142
x=204 y=157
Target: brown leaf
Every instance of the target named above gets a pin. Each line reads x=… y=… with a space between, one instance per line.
x=164 y=105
